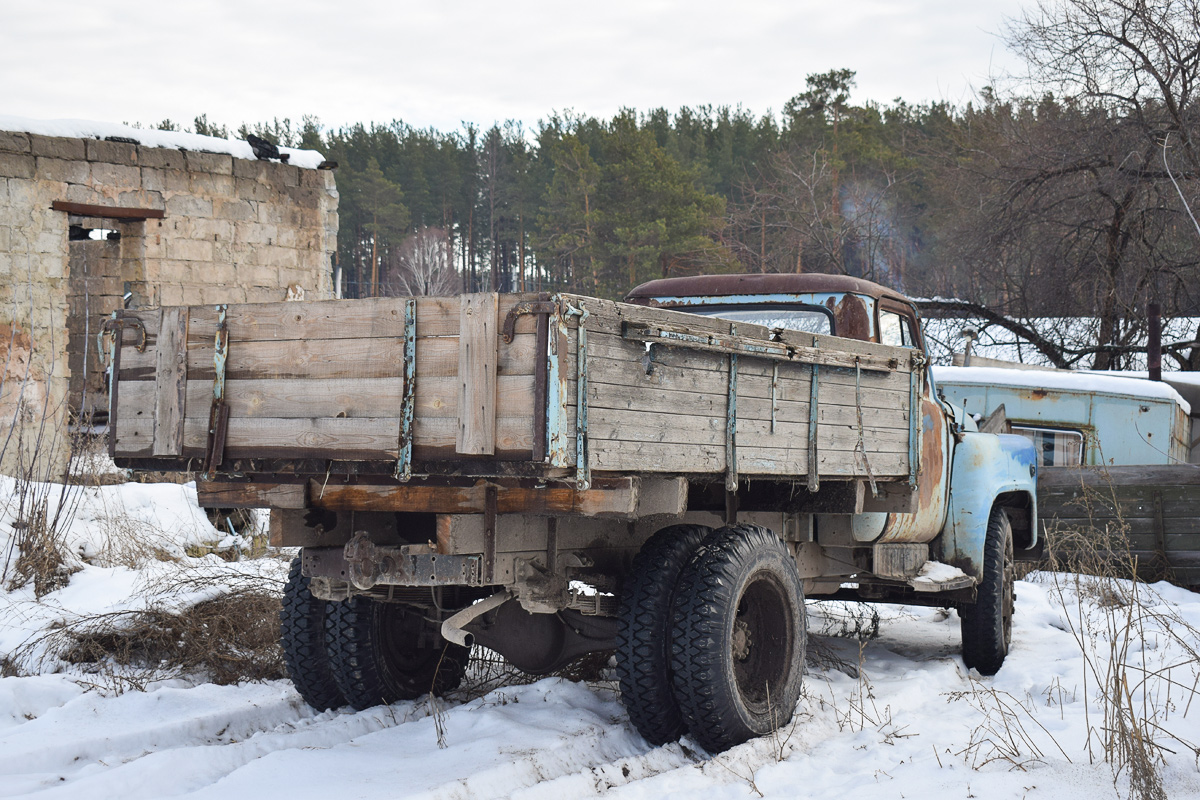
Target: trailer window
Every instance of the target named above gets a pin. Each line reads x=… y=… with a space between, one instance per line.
x=1055 y=448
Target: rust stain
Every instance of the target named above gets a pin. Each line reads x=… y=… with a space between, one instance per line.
x=852 y=319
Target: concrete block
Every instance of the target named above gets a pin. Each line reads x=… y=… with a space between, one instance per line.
x=176 y=180
x=77 y=193
x=120 y=153
x=253 y=189
x=161 y=158
x=217 y=163
x=14 y=142
x=15 y=165
x=50 y=242
x=118 y=175
x=189 y=249
x=283 y=176
x=210 y=184
x=52 y=265
x=153 y=179
x=187 y=206
x=142 y=199
x=214 y=230
x=59 y=169
x=255 y=233
x=4 y=239
x=245 y=168
x=171 y=294
x=58 y=147
x=234 y=210
x=280 y=257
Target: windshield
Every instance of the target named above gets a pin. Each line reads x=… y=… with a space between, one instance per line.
x=807 y=319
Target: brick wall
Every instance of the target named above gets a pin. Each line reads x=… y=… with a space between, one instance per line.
x=232 y=231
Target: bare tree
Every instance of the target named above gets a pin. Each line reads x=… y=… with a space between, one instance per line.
x=423 y=265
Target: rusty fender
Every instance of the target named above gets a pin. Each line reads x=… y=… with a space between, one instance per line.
x=985 y=467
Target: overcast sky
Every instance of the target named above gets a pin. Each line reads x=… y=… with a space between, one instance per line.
x=439 y=64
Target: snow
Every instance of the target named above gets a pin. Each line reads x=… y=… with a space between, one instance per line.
x=937 y=572
x=895 y=716
x=1066 y=380
x=88 y=129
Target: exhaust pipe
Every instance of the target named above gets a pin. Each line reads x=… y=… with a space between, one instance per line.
x=452 y=628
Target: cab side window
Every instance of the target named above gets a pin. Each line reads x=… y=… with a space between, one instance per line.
x=895 y=330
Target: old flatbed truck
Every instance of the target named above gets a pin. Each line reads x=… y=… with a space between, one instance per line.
x=548 y=475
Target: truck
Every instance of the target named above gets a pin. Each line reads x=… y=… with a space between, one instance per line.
x=1117 y=477
x=548 y=475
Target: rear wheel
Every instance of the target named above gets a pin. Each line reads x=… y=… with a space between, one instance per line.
x=384 y=652
x=302 y=638
x=644 y=632
x=987 y=625
x=738 y=637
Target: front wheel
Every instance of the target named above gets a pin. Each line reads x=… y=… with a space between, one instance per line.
x=738 y=637
x=987 y=625
x=384 y=652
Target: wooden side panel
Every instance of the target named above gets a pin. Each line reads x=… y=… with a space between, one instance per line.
x=477 y=370
x=171 y=382
x=665 y=410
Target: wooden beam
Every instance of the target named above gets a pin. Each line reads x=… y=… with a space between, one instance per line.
x=213 y=494
x=618 y=497
x=109 y=212
x=170 y=392
x=477 y=374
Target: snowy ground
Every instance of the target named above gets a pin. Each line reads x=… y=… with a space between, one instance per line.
x=898 y=717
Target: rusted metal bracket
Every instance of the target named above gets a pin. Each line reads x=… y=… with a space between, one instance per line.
x=218 y=416
x=118 y=322
x=731 y=470
x=583 y=471
x=490 y=507
x=408 y=399
x=544 y=306
x=814 y=480
x=914 y=418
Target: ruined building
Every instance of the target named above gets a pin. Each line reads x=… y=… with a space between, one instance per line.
x=97 y=217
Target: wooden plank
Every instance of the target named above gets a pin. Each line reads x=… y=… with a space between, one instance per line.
x=793 y=384
x=216 y=494
x=477 y=340
x=437 y=437
x=373 y=317
x=638 y=426
x=171 y=382
x=340 y=439
x=1148 y=475
x=438 y=357
x=438 y=397
x=288 y=398
x=656 y=400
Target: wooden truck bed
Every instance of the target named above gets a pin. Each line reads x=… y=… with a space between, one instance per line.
x=555 y=387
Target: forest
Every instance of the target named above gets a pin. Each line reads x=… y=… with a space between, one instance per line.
x=1069 y=195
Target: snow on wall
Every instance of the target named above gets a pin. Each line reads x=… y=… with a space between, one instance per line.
x=88 y=129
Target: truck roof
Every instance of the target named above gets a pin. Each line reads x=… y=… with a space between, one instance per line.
x=758 y=283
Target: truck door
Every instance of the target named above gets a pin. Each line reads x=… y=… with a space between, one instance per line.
x=898 y=327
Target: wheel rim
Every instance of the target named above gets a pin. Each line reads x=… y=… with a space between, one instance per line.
x=1008 y=595
x=400 y=635
x=762 y=642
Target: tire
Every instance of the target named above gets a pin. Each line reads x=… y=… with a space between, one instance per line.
x=644 y=632
x=987 y=625
x=384 y=652
x=302 y=638
x=738 y=637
